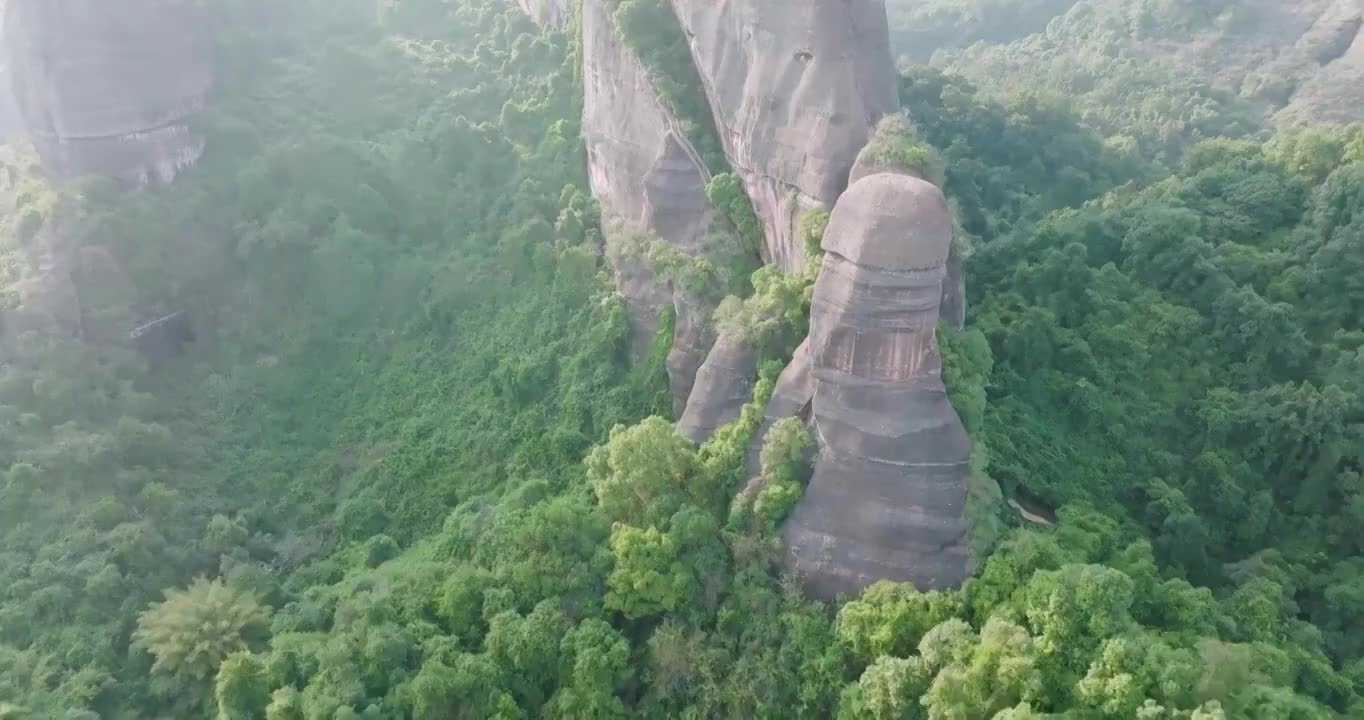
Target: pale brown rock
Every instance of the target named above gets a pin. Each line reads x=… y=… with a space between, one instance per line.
x=105 y=88
x=795 y=87
x=888 y=495
x=645 y=173
x=723 y=385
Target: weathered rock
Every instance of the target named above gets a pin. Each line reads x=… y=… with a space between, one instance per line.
x=645 y=172
x=546 y=13
x=795 y=87
x=888 y=495
x=105 y=88
x=723 y=385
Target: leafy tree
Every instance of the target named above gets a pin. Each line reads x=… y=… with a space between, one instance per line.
x=242 y=691
x=193 y=630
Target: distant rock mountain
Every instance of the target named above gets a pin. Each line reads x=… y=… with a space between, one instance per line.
x=106 y=88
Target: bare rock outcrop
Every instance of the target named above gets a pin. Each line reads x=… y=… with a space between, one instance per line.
x=646 y=175
x=795 y=87
x=888 y=495
x=105 y=88
x=723 y=385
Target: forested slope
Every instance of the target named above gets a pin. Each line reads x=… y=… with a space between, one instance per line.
x=416 y=473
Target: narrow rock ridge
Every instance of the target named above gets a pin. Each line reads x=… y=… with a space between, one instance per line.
x=105 y=89
x=723 y=385
x=795 y=87
x=888 y=496
x=645 y=174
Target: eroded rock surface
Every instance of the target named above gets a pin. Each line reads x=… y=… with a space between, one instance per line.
x=105 y=88
x=888 y=495
x=723 y=385
x=795 y=87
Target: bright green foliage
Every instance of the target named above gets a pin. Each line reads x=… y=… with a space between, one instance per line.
x=891 y=619
x=396 y=426
x=649 y=577
x=645 y=473
x=1000 y=671
x=193 y=630
x=889 y=689
x=726 y=194
x=894 y=146
x=812 y=226
x=242 y=690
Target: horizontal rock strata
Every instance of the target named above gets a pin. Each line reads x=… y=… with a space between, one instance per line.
x=888 y=496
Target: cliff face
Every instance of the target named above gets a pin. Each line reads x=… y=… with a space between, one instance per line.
x=105 y=88
x=723 y=384
x=795 y=87
x=888 y=496
x=646 y=175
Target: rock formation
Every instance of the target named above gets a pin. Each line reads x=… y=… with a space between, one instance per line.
x=888 y=495
x=723 y=385
x=105 y=88
x=795 y=87
x=646 y=175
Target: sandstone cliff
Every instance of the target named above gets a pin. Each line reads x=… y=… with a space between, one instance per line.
x=645 y=175
x=724 y=383
x=795 y=87
x=888 y=495
x=105 y=88
x=796 y=90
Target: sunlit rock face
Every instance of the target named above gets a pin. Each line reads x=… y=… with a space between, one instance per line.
x=105 y=88
x=888 y=495
x=646 y=175
x=795 y=87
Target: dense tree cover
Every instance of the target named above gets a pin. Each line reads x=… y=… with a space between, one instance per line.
x=1154 y=76
x=918 y=28
x=408 y=470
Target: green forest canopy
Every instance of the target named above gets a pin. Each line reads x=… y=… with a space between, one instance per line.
x=409 y=472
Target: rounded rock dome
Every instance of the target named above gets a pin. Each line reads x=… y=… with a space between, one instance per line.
x=891 y=222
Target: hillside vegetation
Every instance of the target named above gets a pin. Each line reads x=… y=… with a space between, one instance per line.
x=408 y=469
